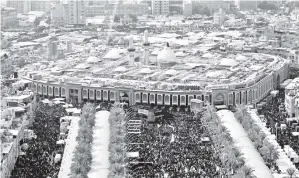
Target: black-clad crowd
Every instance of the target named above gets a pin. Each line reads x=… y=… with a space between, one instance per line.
x=38 y=160
x=173 y=147
x=276 y=116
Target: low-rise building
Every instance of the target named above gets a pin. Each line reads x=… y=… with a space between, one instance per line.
x=291 y=95
x=8 y=17
x=12 y=125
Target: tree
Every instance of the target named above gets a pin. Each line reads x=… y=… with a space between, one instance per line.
x=37 y=21
x=116 y=169
x=291 y=172
x=133 y=17
x=269 y=153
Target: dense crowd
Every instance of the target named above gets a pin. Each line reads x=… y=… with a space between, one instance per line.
x=38 y=160
x=172 y=147
x=275 y=115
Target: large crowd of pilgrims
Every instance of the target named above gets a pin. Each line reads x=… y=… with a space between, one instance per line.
x=38 y=160
x=275 y=115
x=171 y=146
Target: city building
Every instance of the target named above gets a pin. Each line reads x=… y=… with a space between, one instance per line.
x=187 y=9
x=42 y=5
x=249 y=4
x=8 y=17
x=291 y=96
x=74 y=12
x=218 y=18
x=214 y=4
x=21 y=6
x=12 y=125
x=160 y=7
x=24 y=6
x=57 y=15
x=119 y=9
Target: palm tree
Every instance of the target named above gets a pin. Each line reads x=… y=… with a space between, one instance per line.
x=244 y=172
x=116 y=170
x=239 y=156
x=117 y=148
x=116 y=158
x=291 y=172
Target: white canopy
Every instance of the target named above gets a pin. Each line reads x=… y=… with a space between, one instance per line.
x=240 y=57
x=46 y=101
x=120 y=69
x=93 y=59
x=145 y=71
x=171 y=72
x=112 y=54
x=228 y=62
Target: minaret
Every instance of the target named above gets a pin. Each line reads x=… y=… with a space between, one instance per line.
x=146 y=45
x=131 y=50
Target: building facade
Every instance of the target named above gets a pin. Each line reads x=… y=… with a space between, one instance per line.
x=8 y=17
x=187 y=9
x=75 y=12
x=249 y=4
x=21 y=7
x=160 y=7
x=214 y=4
x=219 y=18
x=57 y=15
x=24 y=6
x=120 y=9
x=230 y=95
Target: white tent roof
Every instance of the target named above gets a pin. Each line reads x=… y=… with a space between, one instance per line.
x=93 y=59
x=228 y=62
x=112 y=54
x=46 y=101
x=207 y=55
x=155 y=52
x=120 y=69
x=145 y=71
x=241 y=58
x=171 y=72
x=180 y=54
x=252 y=157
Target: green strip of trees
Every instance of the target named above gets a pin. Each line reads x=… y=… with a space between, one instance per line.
x=82 y=154
x=117 y=153
x=233 y=164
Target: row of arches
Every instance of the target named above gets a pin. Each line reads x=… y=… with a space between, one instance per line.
x=169 y=99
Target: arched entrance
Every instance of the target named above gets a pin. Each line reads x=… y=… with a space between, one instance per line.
x=124 y=97
x=219 y=99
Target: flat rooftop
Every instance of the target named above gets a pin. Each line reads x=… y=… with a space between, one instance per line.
x=190 y=62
